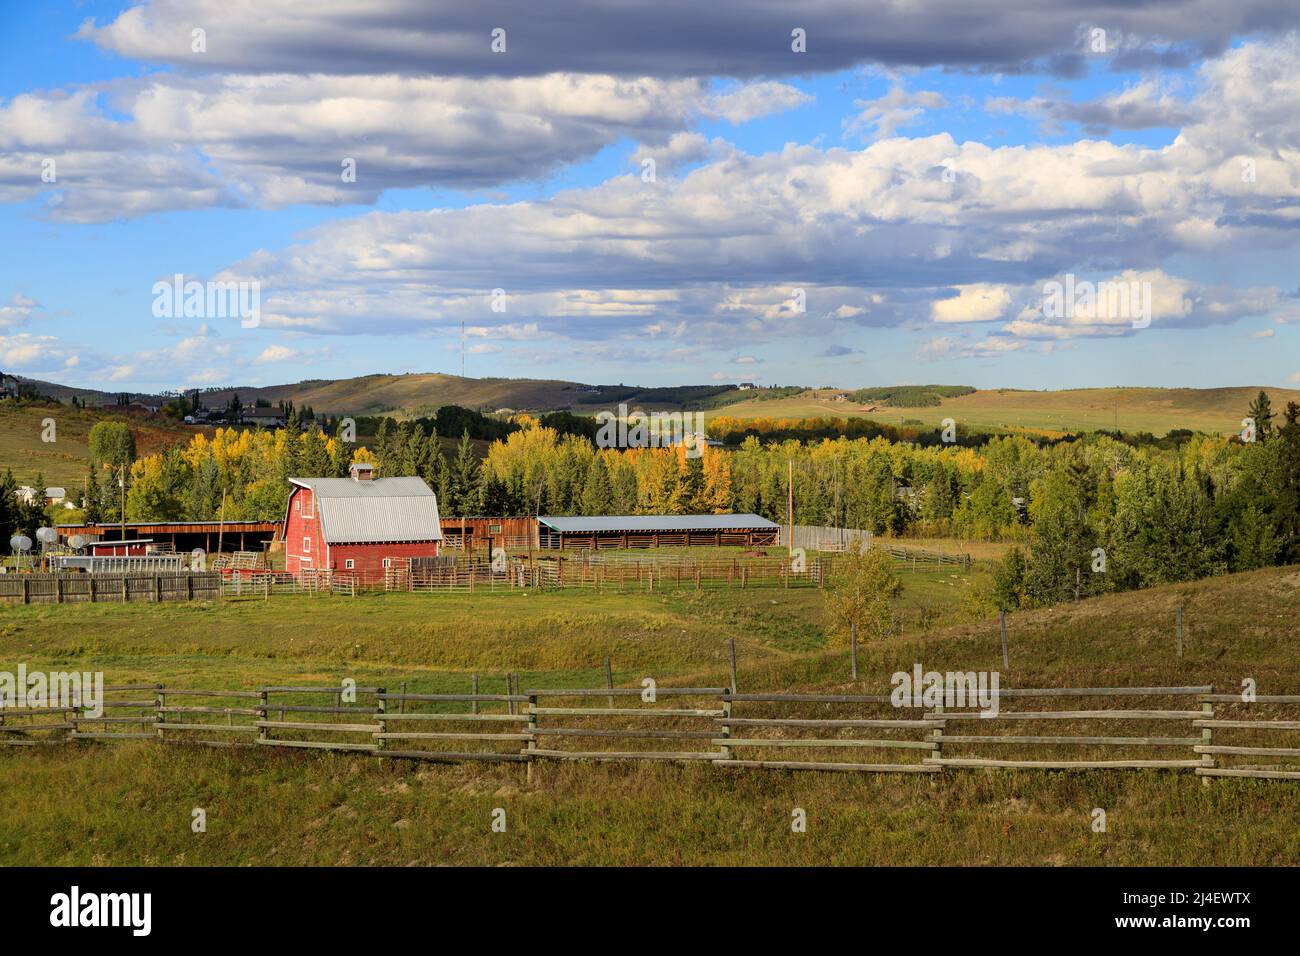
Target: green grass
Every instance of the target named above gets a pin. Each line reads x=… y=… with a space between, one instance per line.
x=131 y=803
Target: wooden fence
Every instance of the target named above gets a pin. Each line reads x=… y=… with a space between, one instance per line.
x=599 y=573
x=75 y=587
x=715 y=725
x=838 y=540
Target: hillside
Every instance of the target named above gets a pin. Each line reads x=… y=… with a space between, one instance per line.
x=64 y=461
x=419 y=394
x=1155 y=410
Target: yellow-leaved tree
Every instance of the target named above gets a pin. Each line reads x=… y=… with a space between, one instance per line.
x=861 y=590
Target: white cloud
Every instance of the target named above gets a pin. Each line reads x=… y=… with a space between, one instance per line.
x=275 y=353
x=981 y=302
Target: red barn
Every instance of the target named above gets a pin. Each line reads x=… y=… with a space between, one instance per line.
x=359 y=525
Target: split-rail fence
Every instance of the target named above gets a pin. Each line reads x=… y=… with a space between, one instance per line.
x=1090 y=728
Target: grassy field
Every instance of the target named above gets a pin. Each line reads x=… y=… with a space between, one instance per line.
x=131 y=803
x=1155 y=410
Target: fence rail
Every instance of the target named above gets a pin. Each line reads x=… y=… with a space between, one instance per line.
x=76 y=587
x=838 y=540
x=767 y=731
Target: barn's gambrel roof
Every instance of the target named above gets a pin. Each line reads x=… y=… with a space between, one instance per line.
x=382 y=510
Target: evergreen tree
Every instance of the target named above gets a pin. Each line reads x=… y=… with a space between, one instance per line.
x=597 y=492
x=1286 y=485
x=464 y=477
x=92 y=507
x=8 y=509
x=1261 y=410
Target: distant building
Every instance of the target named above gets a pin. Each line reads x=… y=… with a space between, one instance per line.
x=25 y=493
x=55 y=495
x=655 y=531
x=361 y=525
x=264 y=420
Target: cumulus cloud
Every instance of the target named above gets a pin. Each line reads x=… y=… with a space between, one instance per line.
x=34 y=354
x=1141 y=106
x=139 y=146
x=883 y=117
x=673 y=38
x=18 y=311
x=980 y=302
x=275 y=353
x=873 y=236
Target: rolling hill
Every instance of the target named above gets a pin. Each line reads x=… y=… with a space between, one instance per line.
x=1155 y=410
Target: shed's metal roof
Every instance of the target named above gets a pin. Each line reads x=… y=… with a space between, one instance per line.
x=619 y=523
x=381 y=510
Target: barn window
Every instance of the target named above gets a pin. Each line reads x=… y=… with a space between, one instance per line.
x=306 y=545
x=349 y=564
x=494 y=529
x=388 y=562
x=297 y=505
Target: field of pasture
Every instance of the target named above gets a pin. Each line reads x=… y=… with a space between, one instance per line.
x=131 y=802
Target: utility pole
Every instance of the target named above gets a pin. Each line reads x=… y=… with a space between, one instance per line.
x=789 y=508
x=462 y=348
x=122 y=516
x=221 y=520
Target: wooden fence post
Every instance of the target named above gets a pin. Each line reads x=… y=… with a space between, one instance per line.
x=731 y=644
x=725 y=749
x=936 y=751
x=609 y=679
x=531 y=743
x=381 y=707
x=160 y=701
x=853 y=649
x=262 y=715
x=473 y=689
x=1002 y=630
x=1207 y=736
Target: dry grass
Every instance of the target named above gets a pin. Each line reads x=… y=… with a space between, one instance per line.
x=132 y=803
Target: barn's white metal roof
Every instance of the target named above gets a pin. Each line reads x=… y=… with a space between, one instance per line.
x=379 y=510
x=619 y=523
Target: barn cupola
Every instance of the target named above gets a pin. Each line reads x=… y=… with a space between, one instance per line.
x=362 y=471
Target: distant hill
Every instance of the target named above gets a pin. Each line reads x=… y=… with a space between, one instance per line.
x=418 y=394
x=1155 y=410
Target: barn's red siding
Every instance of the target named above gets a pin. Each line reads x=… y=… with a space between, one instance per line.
x=305 y=547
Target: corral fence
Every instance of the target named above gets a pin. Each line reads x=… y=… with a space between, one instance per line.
x=604 y=572
x=75 y=587
x=838 y=540
x=1088 y=728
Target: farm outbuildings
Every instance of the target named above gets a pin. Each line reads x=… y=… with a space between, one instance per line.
x=656 y=531
x=360 y=525
x=211 y=536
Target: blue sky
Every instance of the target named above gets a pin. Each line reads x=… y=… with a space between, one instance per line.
x=774 y=174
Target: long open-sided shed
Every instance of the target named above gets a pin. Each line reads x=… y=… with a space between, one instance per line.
x=655 y=531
